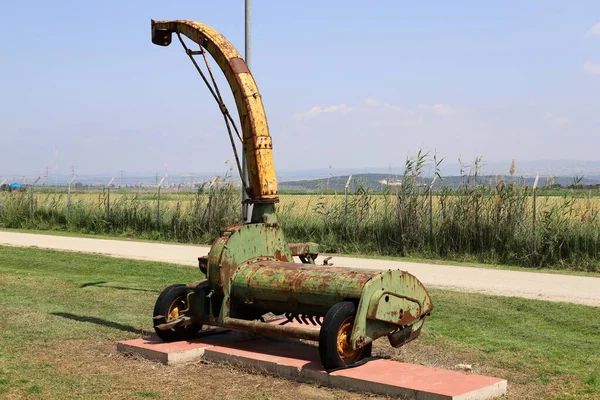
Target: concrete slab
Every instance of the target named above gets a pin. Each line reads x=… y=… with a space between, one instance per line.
x=155 y=349
x=166 y=353
x=297 y=361
x=402 y=379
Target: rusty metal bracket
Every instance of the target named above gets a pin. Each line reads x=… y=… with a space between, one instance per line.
x=178 y=322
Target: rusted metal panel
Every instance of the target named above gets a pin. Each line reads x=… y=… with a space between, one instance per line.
x=403 y=336
x=396 y=308
x=297 y=285
x=239 y=66
x=240 y=244
x=410 y=303
x=298 y=249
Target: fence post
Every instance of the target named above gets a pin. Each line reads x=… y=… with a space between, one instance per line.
x=346 y=189
x=534 y=209
x=158 y=201
x=431 y=209
x=207 y=210
x=108 y=197
x=69 y=197
x=1 y=185
x=31 y=209
x=431 y=214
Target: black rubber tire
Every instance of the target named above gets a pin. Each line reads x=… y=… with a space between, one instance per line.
x=162 y=307
x=330 y=359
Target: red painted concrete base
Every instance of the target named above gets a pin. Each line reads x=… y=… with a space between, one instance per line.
x=301 y=362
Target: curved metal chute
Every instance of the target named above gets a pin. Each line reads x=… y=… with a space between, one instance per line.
x=255 y=130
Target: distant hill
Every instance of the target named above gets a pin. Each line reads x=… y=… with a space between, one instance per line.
x=379 y=182
x=338 y=183
x=561 y=168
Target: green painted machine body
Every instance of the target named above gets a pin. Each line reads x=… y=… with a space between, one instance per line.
x=251 y=271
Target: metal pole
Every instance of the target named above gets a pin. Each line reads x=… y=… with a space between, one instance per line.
x=247 y=31
x=158 y=202
x=346 y=189
x=537 y=178
x=31 y=198
x=69 y=197
x=431 y=209
x=246 y=208
x=108 y=197
x=69 y=201
x=431 y=213
x=31 y=202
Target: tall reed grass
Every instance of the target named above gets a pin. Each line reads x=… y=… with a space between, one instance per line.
x=485 y=220
x=196 y=219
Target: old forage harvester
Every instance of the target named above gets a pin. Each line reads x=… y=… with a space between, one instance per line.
x=250 y=270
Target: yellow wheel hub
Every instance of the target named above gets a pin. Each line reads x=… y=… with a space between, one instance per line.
x=344 y=348
x=177 y=304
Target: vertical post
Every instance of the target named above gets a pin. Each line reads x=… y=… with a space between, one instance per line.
x=158 y=201
x=31 y=202
x=69 y=197
x=246 y=207
x=31 y=210
x=430 y=214
x=1 y=188
x=534 y=210
x=108 y=197
x=431 y=209
x=346 y=189
x=207 y=210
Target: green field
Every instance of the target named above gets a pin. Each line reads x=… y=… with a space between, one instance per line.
x=63 y=313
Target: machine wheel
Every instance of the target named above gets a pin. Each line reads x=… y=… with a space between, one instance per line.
x=334 y=339
x=171 y=301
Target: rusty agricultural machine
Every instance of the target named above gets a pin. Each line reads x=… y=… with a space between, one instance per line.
x=250 y=270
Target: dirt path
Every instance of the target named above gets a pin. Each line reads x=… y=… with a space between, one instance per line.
x=553 y=287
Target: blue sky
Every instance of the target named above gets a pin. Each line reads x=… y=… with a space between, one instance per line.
x=345 y=83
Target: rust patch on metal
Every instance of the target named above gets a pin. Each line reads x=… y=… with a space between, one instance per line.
x=280 y=257
x=238 y=66
x=272 y=329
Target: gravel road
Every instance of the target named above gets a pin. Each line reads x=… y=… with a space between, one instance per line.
x=534 y=285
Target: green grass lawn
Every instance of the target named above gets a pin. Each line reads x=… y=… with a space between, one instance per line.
x=63 y=313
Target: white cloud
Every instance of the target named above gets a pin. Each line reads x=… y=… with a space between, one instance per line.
x=372 y=101
x=595 y=31
x=592 y=68
x=556 y=119
x=444 y=109
x=317 y=110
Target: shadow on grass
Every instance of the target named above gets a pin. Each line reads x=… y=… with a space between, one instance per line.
x=101 y=284
x=98 y=321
